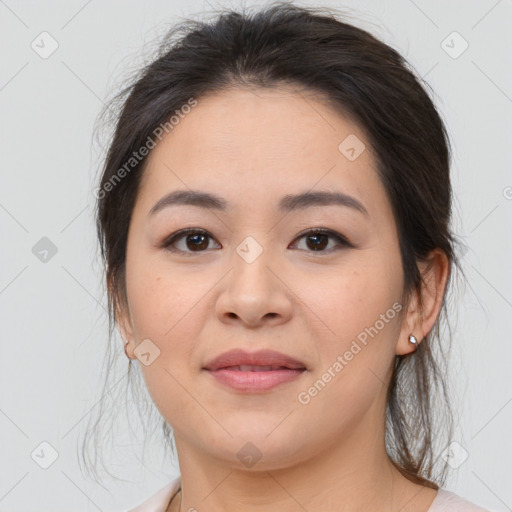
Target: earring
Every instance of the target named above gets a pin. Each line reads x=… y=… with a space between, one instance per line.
x=125 y=351
x=413 y=340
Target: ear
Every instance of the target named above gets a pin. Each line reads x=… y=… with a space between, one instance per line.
x=125 y=326
x=422 y=312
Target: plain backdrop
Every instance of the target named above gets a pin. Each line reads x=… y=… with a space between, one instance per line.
x=53 y=320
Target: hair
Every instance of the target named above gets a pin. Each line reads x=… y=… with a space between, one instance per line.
x=362 y=78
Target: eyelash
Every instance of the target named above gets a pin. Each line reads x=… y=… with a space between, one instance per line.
x=169 y=241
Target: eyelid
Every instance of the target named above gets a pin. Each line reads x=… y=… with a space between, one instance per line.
x=342 y=240
x=168 y=241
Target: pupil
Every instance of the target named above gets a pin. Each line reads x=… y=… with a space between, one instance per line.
x=318 y=243
x=195 y=239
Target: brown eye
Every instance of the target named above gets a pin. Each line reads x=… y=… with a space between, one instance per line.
x=317 y=240
x=192 y=240
x=196 y=242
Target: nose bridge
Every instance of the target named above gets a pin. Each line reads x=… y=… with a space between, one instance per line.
x=253 y=292
x=250 y=267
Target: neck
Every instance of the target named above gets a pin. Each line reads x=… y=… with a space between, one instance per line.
x=355 y=475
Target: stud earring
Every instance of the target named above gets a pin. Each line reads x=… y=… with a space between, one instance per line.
x=413 y=340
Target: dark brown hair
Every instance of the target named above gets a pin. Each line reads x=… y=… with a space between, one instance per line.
x=361 y=77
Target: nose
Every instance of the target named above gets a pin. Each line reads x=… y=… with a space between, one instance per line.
x=254 y=295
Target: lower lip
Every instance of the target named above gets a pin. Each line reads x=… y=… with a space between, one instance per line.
x=254 y=381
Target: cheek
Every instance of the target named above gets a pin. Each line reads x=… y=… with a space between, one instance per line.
x=159 y=298
x=166 y=309
x=361 y=308
x=352 y=300
x=359 y=312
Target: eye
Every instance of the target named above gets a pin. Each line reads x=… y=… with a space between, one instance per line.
x=318 y=239
x=195 y=240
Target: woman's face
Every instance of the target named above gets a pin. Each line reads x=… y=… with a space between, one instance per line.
x=258 y=280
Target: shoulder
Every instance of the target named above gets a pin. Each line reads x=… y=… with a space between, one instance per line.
x=448 y=501
x=159 y=501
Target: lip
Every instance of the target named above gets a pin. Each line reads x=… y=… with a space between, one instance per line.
x=238 y=357
x=221 y=368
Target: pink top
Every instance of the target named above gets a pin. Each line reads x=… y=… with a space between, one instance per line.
x=445 y=501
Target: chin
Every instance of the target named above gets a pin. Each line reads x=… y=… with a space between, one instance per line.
x=255 y=450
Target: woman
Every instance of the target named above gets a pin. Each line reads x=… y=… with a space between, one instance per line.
x=274 y=221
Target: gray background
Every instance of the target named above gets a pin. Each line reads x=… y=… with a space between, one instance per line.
x=53 y=312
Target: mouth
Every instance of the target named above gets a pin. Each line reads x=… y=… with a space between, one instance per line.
x=257 y=368
x=254 y=371
x=255 y=378
x=262 y=360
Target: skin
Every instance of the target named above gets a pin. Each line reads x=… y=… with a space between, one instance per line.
x=253 y=146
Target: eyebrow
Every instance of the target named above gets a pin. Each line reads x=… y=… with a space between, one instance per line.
x=287 y=203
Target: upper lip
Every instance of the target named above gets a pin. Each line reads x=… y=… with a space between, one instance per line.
x=238 y=357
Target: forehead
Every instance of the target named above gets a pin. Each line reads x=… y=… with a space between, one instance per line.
x=260 y=144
